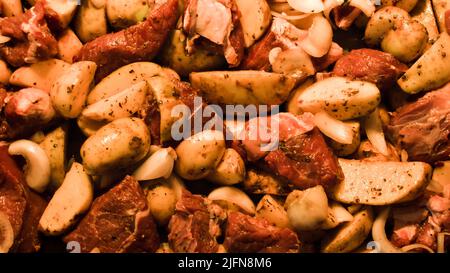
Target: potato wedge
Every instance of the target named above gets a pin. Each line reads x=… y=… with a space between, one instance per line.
x=174 y=55
x=307 y=210
x=243 y=87
x=431 y=71
x=122 y=105
x=269 y=209
x=339 y=97
x=123 y=78
x=255 y=20
x=70 y=90
x=5 y=73
x=166 y=95
x=40 y=75
x=68 y=45
x=55 y=146
x=440 y=7
x=351 y=235
x=72 y=199
x=292 y=104
x=423 y=13
x=90 y=21
x=380 y=183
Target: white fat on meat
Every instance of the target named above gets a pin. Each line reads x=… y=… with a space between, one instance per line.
x=212 y=20
x=280 y=127
x=286 y=33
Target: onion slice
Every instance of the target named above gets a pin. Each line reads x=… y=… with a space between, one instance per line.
x=307 y=6
x=6 y=232
x=337 y=215
x=379 y=233
x=319 y=39
x=374 y=132
x=160 y=164
x=4 y=39
x=273 y=54
x=335 y=129
x=37 y=170
x=366 y=6
x=329 y=5
x=233 y=196
x=416 y=246
x=341 y=214
x=291 y=17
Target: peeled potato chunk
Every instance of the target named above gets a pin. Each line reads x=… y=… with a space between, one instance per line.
x=381 y=183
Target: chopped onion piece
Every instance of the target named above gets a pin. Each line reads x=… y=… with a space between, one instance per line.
x=273 y=54
x=340 y=213
x=379 y=233
x=404 y=155
x=290 y=17
x=366 y=6
x=4 y=39
x=335 y=129
x=7 y=233
x=282 y=7
x=319 y=39
x=329 y=5
x=441 y=241
x=416 y=246
x=234 y=196
x=160 y=164
x=374 y=132
x=307 y=6
x=37 y=170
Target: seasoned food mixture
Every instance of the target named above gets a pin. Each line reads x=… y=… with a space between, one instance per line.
x=224 y=126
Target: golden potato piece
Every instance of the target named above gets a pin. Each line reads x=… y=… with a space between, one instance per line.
x=380 y=183
x=351 y=235
x=243 y=87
